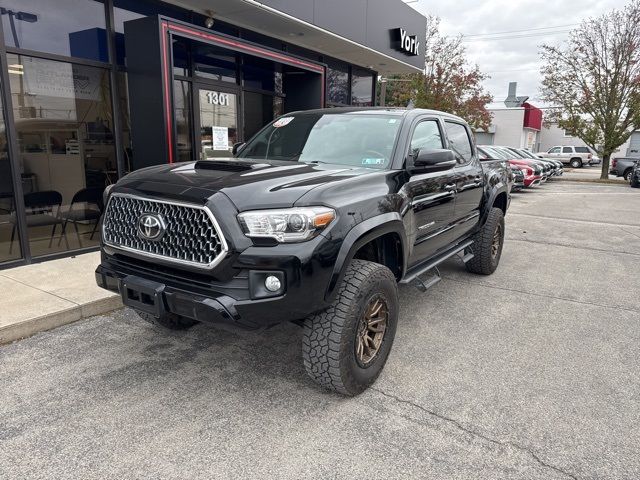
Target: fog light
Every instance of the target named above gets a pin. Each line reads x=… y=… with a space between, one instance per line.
x=272 y=283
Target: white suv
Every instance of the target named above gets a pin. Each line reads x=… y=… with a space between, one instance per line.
x=574 y=156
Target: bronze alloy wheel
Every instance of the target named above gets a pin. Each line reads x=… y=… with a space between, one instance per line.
x=371 y=330
x=497 y=239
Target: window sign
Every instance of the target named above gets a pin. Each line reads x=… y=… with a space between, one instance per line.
x=220 y=138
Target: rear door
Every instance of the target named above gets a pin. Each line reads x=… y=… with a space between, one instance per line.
x=468 y=176
x=567 y=154
x=431 y=195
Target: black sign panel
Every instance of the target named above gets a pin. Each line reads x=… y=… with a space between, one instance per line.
x=405 y=43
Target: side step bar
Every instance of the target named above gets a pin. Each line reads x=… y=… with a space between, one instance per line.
x=413 y=274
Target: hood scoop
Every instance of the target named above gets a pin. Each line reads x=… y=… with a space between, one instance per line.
x=227 y=165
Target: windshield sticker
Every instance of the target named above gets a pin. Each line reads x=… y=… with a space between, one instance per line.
x=281 y=122
x=373 y=161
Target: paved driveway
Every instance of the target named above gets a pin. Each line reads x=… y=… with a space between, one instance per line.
x=530 y=373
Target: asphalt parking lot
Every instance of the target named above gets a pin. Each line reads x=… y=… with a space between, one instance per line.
x=530 y=373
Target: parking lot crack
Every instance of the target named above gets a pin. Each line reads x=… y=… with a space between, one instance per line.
x=460 y=426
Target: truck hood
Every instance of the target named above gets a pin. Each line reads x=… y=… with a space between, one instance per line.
x=248 y=184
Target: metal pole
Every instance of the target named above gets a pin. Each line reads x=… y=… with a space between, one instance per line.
x=383 y=91
x=116 y=124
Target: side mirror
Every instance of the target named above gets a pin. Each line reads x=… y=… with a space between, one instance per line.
x=431 y=160
x=236 y=148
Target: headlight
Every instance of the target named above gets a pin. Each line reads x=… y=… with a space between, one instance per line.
x=286 y=225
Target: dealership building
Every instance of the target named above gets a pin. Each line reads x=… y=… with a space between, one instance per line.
x=94 y=89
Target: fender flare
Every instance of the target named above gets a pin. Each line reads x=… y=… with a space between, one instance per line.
x=360 y=235
x=500 y=188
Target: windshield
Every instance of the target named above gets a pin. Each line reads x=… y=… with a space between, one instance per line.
x=497 y=154
x=347 y=139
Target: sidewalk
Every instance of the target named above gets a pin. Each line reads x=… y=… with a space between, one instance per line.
x=46 y=295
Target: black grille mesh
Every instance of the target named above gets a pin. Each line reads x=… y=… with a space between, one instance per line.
x=190 y=235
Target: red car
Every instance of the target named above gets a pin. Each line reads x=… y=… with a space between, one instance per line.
x=533 y=174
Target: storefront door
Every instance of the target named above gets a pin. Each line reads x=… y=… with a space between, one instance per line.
x=217 y=117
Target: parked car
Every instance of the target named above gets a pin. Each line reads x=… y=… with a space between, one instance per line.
x=518 y=178
x=557 y=165
x=622 y=167
x=577 y=157
x=315 y=220
x=531 y=170
x=634 y=176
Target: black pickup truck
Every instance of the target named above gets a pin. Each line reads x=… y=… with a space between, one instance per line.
x=315 y=220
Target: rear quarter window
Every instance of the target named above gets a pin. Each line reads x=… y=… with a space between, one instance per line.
x=582 y=150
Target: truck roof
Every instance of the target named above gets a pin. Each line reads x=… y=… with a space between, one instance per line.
x=399 y=111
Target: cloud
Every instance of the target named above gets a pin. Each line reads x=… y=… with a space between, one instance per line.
x=512 y=59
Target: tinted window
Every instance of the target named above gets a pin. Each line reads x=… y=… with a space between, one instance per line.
x=567 y=150
x=213 y=62
x=361 y=88
x=554 y=150
x=338 y=84
x=426 y=136
x=66 y=27
x=582 y=149
x=459 y=140
x=346 y=139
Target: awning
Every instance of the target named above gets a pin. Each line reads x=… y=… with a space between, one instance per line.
x=262 y=18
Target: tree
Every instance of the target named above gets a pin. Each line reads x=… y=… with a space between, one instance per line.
x=448 y=83
x=594 y=81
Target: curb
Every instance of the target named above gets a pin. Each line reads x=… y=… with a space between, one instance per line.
x=596 y=180
x=27 y=328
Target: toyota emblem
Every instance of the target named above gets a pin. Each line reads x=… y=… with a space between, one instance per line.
x=151 y=226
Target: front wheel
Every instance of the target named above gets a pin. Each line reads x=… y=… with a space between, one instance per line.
x=487 y=244
x=576 y=163
x=345 y=347
x=627 y=175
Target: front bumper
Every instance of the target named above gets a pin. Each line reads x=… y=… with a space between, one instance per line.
x=238 y=298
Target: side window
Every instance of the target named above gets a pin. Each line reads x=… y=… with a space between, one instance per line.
x=460 y=141
x=426 y=136
x=567 y=150
x=554 y=150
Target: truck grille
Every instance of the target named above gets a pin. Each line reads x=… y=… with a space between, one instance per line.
x=188 y=234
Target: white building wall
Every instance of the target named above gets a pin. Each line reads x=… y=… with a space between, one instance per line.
x=508 y=124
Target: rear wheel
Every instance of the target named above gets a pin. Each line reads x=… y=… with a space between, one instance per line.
x=576 y=162
x=168 y=320
x=627 y=174
x=346 y=346
x=487 y=244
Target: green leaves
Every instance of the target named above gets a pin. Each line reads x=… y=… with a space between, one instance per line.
x=594 y=80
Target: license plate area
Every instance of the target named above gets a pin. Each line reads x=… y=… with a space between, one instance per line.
x=143 y=295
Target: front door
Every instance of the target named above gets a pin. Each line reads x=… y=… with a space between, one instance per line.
x=217 y=117
x=432 y=196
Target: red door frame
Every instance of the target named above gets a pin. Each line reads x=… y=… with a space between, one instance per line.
x=170 y=27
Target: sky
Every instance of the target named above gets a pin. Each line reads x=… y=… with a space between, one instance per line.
x=529 y=23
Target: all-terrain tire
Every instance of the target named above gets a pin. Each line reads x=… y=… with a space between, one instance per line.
x=331 y=337
x=627 y=174
x=168 y=320
x=486 y=254
x=576 y=163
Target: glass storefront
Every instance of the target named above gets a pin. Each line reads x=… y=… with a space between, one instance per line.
x=9 y=234
x=66 y=153
x=59 y=98
x=74 y=28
